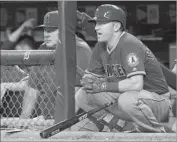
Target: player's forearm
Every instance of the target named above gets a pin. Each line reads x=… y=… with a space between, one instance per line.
x=130 y=85
x=10 y=43
x=16 y=34
x=124 y=85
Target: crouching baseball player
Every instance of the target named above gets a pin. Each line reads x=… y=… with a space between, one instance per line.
x=129 y=73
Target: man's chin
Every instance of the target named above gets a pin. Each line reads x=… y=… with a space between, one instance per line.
x=49 y=45
x=100 y=40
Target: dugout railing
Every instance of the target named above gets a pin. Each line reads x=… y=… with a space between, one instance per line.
x=38 y=66
x=42 y=77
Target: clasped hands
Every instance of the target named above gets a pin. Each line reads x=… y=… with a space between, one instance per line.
x=93 y=84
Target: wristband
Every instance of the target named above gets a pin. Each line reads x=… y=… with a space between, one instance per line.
x=112 y=87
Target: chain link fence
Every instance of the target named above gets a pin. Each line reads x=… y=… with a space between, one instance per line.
x=28 y=88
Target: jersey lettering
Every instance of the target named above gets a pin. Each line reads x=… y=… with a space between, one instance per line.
x=114 y=70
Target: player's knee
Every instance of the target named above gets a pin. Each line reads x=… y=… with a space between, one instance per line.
x=80 y=96
x=126 y=101
x=35 y=92
x=31 y=94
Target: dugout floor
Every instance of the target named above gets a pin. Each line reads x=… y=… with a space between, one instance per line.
x=32 y=135
x=86 y=135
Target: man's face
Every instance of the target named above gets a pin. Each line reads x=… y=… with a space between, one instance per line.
x=104 y=31
x=50 y=36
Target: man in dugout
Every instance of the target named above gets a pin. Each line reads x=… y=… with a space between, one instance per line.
x=43 y=78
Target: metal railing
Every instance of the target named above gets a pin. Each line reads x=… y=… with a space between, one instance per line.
x=28 y=88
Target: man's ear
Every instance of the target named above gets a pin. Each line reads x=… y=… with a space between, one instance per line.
x=117 y=26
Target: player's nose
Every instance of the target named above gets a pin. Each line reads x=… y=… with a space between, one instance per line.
x=96 y=28
x=46 y=35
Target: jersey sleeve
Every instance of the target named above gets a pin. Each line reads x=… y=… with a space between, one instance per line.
x=132 y=58
x=95 y=64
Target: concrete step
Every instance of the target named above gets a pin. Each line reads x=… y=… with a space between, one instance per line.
x=32 y=135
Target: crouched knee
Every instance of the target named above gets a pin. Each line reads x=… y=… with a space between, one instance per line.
x=127 y=101
x=80 y=97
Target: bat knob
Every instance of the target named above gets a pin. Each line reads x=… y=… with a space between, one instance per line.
x=43 y=134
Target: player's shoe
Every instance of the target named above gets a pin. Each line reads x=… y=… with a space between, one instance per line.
x=104 y=126
x=118 y=125
x=97 y=123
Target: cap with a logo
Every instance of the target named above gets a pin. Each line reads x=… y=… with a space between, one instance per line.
x=51 y=20
x=108 y=13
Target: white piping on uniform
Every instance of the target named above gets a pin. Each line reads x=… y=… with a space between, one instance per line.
x=109 y=51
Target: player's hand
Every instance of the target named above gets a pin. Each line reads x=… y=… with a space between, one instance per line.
x=97 y=87
x=93 y=84
x=87 y=81
x=30 y=23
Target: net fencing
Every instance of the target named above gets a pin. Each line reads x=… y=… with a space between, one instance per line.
x=28 y=88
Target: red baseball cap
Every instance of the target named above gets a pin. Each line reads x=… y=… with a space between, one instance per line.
x=108 y=13
x=51 y=20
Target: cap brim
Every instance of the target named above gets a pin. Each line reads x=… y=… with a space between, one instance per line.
x=44 y=26
x=40 y=26
x=99 y=20
x=92 y=21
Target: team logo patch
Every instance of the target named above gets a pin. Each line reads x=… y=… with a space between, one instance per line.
x=132 y=59
x=107 y=14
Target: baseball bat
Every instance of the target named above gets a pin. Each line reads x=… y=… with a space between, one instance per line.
x=69 y=122
x=79 y=71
